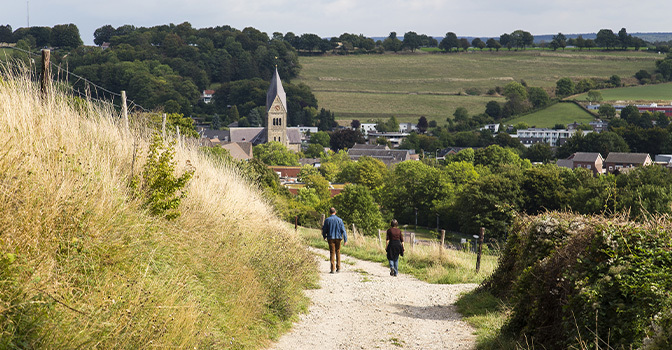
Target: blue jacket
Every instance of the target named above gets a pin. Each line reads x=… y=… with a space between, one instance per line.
x=333 y=228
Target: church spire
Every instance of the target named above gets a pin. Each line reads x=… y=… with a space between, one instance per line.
x=276 y=90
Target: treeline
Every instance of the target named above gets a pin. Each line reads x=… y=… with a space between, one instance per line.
x=486 y=187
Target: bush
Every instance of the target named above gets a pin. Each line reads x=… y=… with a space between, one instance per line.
x=571 y=277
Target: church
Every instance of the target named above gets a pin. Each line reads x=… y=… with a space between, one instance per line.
x=276 y=124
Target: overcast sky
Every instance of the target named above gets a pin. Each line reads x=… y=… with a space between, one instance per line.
x=326 y=18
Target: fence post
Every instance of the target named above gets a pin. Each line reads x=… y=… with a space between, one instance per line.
x=412 y=240
x=380 y=241
x=354 y=232
x=46 y=72
x=322 y=220
x=163 y=126
x=296 y=223
x=443 y=239
x=480 y=248
x=124 y=109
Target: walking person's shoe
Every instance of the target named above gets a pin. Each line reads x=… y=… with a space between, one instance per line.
x=391 y=272
x=332 y=271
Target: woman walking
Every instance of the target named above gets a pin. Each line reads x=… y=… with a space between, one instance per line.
x=395 y=246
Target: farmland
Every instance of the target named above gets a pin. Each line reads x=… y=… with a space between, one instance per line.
x=434 y=85
x=559 y=113
x=661 y=93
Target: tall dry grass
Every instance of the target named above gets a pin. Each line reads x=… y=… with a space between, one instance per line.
x=83 y=265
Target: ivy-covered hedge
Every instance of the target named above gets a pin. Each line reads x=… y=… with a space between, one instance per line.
x=573 y=279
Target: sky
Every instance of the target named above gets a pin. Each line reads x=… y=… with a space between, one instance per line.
x=372 y=18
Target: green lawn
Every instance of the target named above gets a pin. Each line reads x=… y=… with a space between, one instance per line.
x=636 y=94
x=434 y=85
x=559 y=113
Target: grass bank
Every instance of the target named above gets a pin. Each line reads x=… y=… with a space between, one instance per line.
x=425 y=262
x=84 y=265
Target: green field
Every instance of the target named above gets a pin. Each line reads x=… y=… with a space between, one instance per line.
x=559 y=113
x=636 y=94
x=434 y=85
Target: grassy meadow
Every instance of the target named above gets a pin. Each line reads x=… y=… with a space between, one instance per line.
x=559 y=113
x=660 y=93
x=83 y=264
x=434 y=85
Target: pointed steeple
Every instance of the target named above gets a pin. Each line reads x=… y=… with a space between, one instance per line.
x=276 y=90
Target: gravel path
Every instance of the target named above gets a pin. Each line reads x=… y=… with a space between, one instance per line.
x=363 y=307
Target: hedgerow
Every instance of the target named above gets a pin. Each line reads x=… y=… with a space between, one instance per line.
x=587 y=282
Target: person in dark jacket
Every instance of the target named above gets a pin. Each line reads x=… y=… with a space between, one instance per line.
x=395 y=246
x=333 y=231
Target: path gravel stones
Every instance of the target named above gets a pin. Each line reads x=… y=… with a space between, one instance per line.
x=363 y=307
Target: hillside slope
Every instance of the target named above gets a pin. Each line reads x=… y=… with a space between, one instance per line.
x=84 y=265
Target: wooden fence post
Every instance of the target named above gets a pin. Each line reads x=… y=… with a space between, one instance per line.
x=163 y=126
x=380 y=241
x=412 y=240
x=443 y=240
x=322 y=220
x=124 y=109
x=354 y=232
x=45 y=82
x=296 y=223
x=480 y=248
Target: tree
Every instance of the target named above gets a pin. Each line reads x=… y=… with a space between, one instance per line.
x=538 y=97
x=314 y=150
x=493 y=109
x=345 y=138
x=355 y=124
x=321 y=138
x=492 y=43
x=594 y=96
x=357 y=206
x=643 y=76
x=615 y=81
x=275 y=153
x=624 y=39
x=6 y=34
x=411 y=40
x=607 y=39
x=564 y=87
x=606 y=110
x=539 y=152
x=103 y=34
x=559 y=41
x=391 y=43
x=464 y=44
x=66 y=36
x=449 y=42
x=422 y=125
x=478 y=43
x=461 y=114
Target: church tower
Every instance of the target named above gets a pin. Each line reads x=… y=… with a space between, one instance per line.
x=276 y=109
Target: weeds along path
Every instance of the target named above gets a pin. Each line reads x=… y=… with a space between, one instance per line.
x=363 y=307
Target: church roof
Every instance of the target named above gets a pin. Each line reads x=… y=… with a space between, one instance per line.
x=274 y=90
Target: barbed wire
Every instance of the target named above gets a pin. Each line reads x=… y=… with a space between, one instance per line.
x=80 y=78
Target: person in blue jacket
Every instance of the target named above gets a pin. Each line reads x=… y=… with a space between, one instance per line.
x=333 y=231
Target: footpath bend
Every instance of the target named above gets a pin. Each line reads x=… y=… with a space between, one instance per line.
x=363 y=307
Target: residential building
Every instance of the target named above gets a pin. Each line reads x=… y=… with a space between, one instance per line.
x=591 y=161
x=619 y=161
x=206 y=96
x=552 y=137
x=494 y=128
x=382 y=153
x=395 y=138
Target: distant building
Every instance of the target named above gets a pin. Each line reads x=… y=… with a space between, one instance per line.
x=382 y=153
x=620 y=161
x=206 y=96
x=552 y=137
x=653 y=107
x=591 y=161
x=395 y=138
x=494 y=128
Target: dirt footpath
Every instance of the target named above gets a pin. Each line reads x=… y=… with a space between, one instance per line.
x=363 y=307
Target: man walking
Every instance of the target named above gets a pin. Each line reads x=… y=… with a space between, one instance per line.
x=333 y=231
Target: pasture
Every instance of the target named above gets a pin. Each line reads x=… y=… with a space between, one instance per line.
x=660 y=93
x=559 y=113
x=434 y=85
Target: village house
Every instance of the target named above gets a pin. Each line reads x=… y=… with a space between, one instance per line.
x=591 y=161
x=553 y=137
x=624 y=161
x=382 y=153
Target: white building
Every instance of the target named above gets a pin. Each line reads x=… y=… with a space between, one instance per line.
x=552 y=137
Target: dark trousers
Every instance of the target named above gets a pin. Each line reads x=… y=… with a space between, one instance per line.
x=335 y=252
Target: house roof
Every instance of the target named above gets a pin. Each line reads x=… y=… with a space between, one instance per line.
x=629 y=158
x=239 y=150
x=358 y=146
x=222 y=135
x=387 y=156
x=294 y=135
x=245 y=134
x=586 y=157
x=274 y=90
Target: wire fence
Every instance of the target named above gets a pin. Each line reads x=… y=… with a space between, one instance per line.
x=90 y=88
